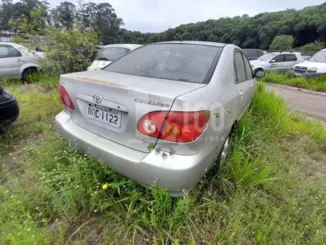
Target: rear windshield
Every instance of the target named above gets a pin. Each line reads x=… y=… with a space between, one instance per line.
x=111 y=54
x=181 y=62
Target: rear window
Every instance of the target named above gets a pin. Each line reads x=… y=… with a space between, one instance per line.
x=181 y=62
x=111 y=54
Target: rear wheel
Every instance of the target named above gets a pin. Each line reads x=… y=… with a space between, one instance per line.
x=29 y=74
x=226 y=148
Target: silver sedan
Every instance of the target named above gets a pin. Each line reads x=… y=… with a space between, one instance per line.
x=162 y=114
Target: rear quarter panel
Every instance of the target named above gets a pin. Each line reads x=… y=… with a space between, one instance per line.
x=220 y=98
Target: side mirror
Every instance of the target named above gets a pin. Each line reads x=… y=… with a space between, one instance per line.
x=259 y=74
x=272 y=61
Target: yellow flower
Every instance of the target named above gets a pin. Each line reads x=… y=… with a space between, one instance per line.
x=105 y=186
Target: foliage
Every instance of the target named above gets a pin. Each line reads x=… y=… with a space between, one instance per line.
x=69 y=51
x=312 y=47
x=317 y=84
x=282 y=43
x=306 y=26
x=32 y=16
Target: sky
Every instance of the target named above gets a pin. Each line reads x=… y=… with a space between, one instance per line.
x=159 y=15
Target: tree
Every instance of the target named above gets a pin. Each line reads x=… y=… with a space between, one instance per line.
x=282 y=43
x=64 y=16
x=102 y=19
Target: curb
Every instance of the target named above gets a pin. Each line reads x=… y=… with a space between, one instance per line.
x=307 y=91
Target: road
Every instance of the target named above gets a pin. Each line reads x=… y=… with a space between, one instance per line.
x=313 y=104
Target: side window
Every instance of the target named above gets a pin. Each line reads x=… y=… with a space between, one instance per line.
x=248 y=68
x=279 y=58
x=290 y=57
x=239 y=67
x=3 y=52
x=9 y=52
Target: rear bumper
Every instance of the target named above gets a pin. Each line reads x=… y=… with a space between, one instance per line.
x=176 y=173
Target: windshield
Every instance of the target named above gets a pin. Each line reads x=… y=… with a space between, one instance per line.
x=111 y=54
x=320 y=57
x=266 y=57
x=182 y=62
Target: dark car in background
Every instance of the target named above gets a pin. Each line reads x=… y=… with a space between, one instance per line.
x=9 y=109
x=253 y=54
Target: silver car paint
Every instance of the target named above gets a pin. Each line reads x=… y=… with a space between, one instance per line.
x=126 y=151
x=13 y=67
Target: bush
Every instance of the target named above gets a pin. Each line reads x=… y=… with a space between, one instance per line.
x=311 y=47
x=69 y=51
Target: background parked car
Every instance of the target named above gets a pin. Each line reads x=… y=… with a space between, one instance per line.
x=315 y=66
x=253 y=54
x=277 y=61
x=164 y=95
x=110 y=53
x=17 y=62
x=8 y=109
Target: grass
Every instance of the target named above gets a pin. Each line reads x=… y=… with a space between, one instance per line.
x=272 y=189
x=317 y=84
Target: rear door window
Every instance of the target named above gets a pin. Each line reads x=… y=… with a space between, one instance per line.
x=239 y=67
x=181 y=62
x=279 y=58
x=290 y=57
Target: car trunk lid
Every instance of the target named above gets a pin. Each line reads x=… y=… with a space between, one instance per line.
x=111 y=104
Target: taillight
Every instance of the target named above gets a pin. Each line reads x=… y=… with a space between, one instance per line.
x=65 y=98
x=174 y=126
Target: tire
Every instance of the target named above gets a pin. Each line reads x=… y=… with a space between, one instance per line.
x=28 y=74
x=226 y=148
x=258 y=69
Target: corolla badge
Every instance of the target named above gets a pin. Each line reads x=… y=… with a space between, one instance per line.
x=97 y=98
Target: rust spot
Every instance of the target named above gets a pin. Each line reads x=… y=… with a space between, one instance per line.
x=99 y=81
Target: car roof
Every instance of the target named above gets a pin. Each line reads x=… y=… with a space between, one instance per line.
x=123 y=45
x=323 y=49
x=11 y=43
x=195 y=43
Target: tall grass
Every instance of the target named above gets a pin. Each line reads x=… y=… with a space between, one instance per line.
x=317 y=84
x=267 y=192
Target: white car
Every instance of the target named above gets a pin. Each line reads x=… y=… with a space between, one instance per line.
x=110 y=53
x=17 y=62
x=313 y=67
x=277 y=61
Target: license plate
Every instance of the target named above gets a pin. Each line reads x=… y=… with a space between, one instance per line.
x=105 y=115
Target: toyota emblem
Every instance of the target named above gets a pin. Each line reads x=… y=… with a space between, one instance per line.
x=97 y=98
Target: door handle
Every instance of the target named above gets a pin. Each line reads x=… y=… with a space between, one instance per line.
x=241 y=93
x=251 y=86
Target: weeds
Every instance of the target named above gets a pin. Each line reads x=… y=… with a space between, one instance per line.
x=270 y=191
x=317 y=84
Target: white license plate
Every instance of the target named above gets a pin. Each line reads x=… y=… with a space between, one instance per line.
x=105 y=115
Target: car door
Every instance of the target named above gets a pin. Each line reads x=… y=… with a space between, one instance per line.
x=242 y=83
x=277 y=63
x=10 y=61
x=289 y=61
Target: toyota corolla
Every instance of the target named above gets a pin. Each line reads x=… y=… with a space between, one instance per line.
x=161 y=114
